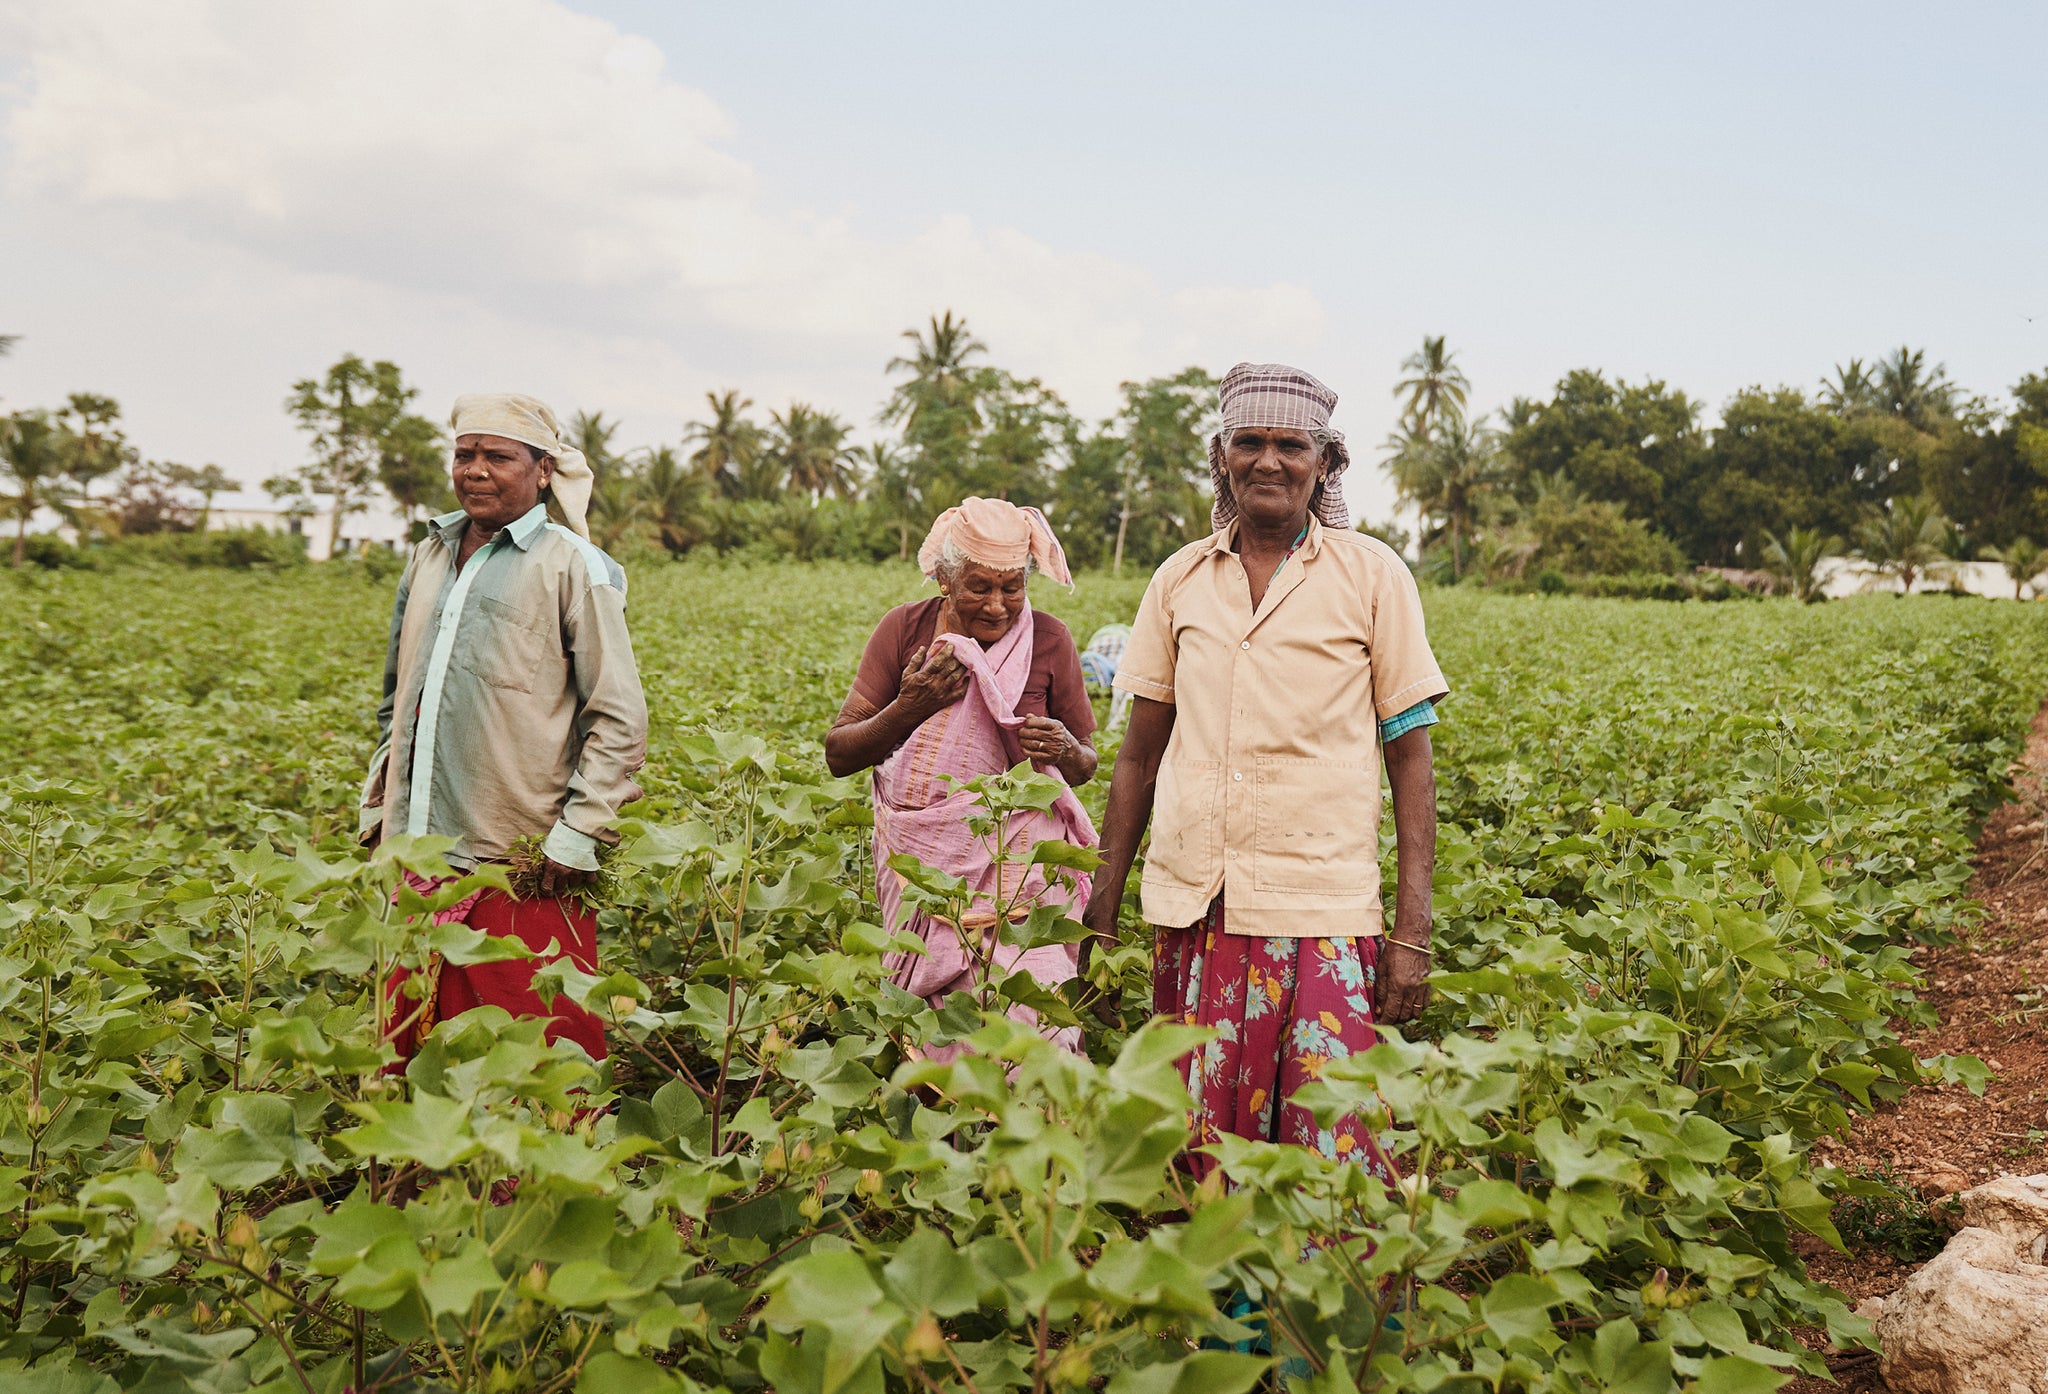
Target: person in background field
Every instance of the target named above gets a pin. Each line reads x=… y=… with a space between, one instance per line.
x=970 y=683
x=1273 y=666
x=512 y=709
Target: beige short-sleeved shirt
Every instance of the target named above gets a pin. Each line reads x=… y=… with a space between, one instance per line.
x=1269 y=791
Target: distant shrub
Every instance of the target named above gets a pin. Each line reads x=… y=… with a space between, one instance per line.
x=48 y=551
x=237 y=548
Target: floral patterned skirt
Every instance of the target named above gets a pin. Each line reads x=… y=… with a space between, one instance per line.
x=1282 y=1010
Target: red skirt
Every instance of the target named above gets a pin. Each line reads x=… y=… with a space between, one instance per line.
x=507 y=984
x=1282 y=1010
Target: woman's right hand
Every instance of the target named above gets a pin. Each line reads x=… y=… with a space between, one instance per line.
x=932 y=681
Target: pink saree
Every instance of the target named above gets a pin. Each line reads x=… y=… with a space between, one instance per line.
x=918 y=813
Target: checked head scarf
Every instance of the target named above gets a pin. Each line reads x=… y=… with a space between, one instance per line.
x=1275 y=395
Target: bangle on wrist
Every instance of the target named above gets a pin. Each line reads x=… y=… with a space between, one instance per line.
x=1422 y=949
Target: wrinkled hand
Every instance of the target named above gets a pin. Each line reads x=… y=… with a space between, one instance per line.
x=1046 y=740
x=932 y=681
x=1403 y=989
x=556 y=879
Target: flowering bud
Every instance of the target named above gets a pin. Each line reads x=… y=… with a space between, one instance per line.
x=811 y=1208
x=870 y=1182
x=534 y=1282
x=242 y=1231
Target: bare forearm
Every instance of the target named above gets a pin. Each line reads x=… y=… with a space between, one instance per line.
x=1079 y=764
x=1411 y=772
x=854 y=746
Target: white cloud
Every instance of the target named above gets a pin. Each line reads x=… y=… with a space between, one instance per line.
x=543 y=170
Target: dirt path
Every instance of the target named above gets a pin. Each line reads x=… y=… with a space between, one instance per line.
x=1992 y=995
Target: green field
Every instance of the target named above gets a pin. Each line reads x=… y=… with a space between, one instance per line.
x=1686 y=849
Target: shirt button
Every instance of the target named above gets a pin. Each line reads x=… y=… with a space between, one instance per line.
x=1239 y=774
x=1246 y=644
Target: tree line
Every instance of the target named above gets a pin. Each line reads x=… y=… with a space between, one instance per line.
x=1888 y=461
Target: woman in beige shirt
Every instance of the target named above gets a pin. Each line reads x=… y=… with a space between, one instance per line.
x=1271 y=665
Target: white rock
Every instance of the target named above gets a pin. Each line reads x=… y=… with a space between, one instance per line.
x=1870 y=1308
x=1975 y=1319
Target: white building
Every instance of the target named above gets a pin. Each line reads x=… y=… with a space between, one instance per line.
x=377 y=526
x=1842 y=576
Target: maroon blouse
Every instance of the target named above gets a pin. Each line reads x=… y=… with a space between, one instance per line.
x=1053 y=688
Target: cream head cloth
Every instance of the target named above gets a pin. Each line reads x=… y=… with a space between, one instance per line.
x=1274 y=395
x=531 y=422
x=995 y=533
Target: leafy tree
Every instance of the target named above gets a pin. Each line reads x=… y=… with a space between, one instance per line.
x=1905 y=540
x=33 y=451
x=205 y=481
x=1778 y=462
x=1796 y=558
x=351 y=412
x=810 y=451
x=1992 y=477
x=413 y=466
x=1595 y=537
x=2022 y=560
x=1023 y=422
x=93 y=443
x=1637 y=446
x=676 y=498
x=1137 y=485
x=1435 y=388
x=149 y=500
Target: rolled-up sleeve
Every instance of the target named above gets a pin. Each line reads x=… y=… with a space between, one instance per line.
x=611 y=725
x=1146 y=669
x=1404 y=670
x=371 y=810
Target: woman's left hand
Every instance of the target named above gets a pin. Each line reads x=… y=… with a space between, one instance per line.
x=1047 y=741
x=1403 y=989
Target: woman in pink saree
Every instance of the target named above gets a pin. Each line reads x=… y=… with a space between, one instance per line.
x=971 y=682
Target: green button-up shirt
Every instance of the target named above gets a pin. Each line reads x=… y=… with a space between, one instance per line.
x=512 y=705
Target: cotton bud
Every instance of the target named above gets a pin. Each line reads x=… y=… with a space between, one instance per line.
x=870 y=1182
x=38 y=1113
x=1073 y=1369
x=173 y=1069
x=803 y=1153
x=772 y=1044
x=811 y=1208
x=242 y=1231
x=534 y=1282
x=558 y=1120
x=774 y=1161
x=646 y=942
x=148 y=1159
x=202 y=1315
x=178 y=1010
x=1657 y=1292
x=623 y=1005
x=1000 y=1181
x=925 y=1341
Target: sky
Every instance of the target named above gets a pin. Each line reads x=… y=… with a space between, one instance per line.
x=622 y=206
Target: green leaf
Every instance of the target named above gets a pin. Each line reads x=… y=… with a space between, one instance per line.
x=1732 y=1374
x=1200 y=1372
x=609 y=1372
x=1518 y=1307
x=453 y=1285
x=430 y=1130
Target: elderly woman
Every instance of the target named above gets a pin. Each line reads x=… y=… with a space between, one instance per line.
x=1274 y=665
x=971 y=682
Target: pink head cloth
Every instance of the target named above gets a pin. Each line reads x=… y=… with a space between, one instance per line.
x=995 y=533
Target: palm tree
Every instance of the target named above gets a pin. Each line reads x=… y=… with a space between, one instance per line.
x=2023 y=561
x=810 y=447
x=1447 y=473
x=727 y=445
x=7 y=343
x=940 y=377
x=1853 y=388
x=674 y=497
x=1797 y=557
x=1436 y=387
x=32 y=449
x=1904 y=539
x=1908 y=389
x=894 y=488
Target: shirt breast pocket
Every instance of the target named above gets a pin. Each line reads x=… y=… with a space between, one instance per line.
x=511 y=648
x=1316 y=826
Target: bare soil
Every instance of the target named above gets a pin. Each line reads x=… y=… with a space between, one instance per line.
x=1991 y=992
